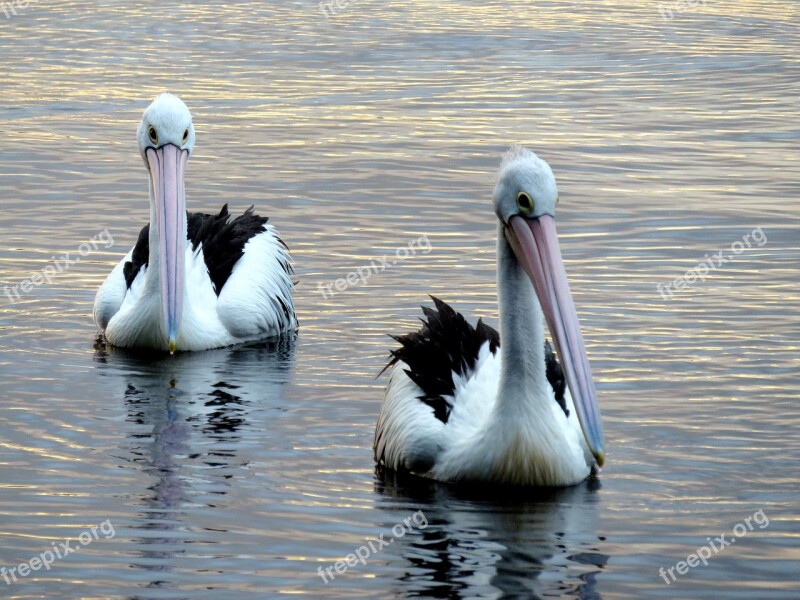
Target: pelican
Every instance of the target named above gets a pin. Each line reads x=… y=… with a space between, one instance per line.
x=462 y=408
x=193 y=281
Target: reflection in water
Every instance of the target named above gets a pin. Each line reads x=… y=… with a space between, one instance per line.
x=188 y=412
x=522 y=543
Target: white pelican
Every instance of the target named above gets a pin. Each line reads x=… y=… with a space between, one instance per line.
x=193 y=281
x=461 y=407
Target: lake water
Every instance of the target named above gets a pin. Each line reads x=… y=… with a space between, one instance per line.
x=238 y=473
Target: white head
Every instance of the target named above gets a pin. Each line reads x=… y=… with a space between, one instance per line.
x=166 y=121
x=525 y=186
x=166 y=139
x=525 y=200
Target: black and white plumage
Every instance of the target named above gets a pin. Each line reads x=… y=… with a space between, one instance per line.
x=193 y=281
x=466 y=404
x=447 y=346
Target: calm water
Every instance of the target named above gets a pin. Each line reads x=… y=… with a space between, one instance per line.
x=238 y=473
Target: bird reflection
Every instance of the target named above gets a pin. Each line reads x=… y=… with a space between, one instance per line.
x=191 y=415
x=495 y=543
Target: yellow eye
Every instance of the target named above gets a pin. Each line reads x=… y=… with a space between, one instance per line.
x=153 y=135
x=525 y=204
x=185 y=136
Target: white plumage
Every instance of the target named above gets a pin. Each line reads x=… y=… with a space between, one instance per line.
x=534 y=445
x=458 y=408
x=249 y=307
x=193 y=281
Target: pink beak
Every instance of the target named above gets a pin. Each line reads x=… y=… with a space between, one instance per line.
x=535 y=243
x=167 y=167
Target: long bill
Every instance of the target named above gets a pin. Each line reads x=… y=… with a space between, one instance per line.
x=535 y=243
x=167 y=166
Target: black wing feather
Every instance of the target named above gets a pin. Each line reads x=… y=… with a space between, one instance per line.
x=445 y=344
x=223 y=241
x=139 y=257
x=555 y=375
x=448 y=344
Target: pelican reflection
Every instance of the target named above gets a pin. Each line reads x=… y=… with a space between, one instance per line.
x=495 y=542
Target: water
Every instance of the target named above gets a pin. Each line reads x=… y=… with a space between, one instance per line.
x=238 y=473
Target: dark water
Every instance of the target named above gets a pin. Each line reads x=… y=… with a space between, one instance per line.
x=239 y=473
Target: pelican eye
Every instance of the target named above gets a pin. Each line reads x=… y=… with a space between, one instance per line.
x=185 y=136
x=525 y=204
x=153 y=135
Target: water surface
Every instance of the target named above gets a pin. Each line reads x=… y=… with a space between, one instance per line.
x=238 y=473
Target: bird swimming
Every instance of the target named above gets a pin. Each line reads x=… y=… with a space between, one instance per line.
x=467 y=404
x=193 y=281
